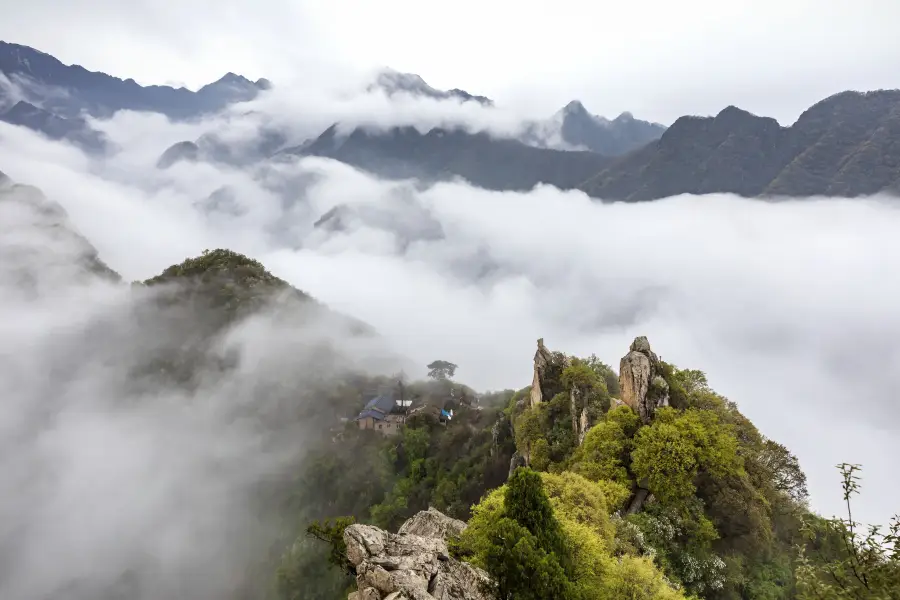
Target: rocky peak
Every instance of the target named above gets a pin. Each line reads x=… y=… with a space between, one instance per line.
x=642 y=385
x=542 y=359
x=414 y=564
x=575 y=107
x=392 y=82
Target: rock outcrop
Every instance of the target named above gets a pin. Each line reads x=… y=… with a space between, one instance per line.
x=642 y=385
x=413 y=564
x=548 y=367
x=515 y=462
x=541 y=359
x=581 y=420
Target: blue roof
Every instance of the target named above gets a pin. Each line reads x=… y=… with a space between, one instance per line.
x=371 y=413
x=377 y=407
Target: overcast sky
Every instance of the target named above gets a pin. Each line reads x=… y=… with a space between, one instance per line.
x=655 y=58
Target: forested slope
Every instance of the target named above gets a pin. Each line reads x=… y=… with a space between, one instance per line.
x=651 y=485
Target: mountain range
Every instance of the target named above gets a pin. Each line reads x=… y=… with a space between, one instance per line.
x=844 y=145
x=71 y=90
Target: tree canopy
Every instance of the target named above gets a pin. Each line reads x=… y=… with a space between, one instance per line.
x=441 y=369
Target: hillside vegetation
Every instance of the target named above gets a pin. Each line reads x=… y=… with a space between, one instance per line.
x=587 y=484
x=687 y=500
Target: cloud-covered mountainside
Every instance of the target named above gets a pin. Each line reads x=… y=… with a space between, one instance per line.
x=69 y=90
x=398 y=126
x=176 y=411
x=845 y=145
x=574 y=127
x=146 y=427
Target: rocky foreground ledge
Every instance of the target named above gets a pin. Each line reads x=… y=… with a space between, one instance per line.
x=413 y=564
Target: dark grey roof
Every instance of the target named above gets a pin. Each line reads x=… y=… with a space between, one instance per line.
x=382 y=404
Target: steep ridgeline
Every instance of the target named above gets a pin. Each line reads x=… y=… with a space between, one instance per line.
x=845 y=145
x=440 y=154
x=262 y=144
x=40 y=250
x=392 y=82
x=74 y=130
x=642 y=484
x=69 y=90
x=197 y=302
x=574 y=128
x=267 y=142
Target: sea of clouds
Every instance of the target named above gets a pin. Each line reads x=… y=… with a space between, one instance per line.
x=789 y=306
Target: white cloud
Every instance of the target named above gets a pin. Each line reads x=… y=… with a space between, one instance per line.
x=657 y=59
x=788 y=306
x=106 y=482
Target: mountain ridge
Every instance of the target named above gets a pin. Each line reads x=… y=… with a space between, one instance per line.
x=441 y=154
x=101 y=94
x=573 y=127
x=843 y=145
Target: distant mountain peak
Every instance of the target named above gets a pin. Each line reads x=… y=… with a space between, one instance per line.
x=234 y=78
x=100 y=94
x=574 y=127
x=575 y=107
x=731 y=111
x=576 y=111
x=391 y=82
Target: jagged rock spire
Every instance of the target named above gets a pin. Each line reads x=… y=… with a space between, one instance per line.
x=542 y=358
x=642 y=385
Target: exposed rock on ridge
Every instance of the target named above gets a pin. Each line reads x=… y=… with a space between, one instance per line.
x=542 y=359
x=642 y=386
x=413 y=564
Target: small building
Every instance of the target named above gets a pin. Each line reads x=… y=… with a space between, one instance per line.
x=384 y=414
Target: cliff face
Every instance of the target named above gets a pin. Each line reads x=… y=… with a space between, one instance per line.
x=548 y=367
x=413 y=564
x=642 y=386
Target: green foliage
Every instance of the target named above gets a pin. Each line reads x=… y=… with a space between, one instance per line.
x=519 y=568
x=441 y=370
x=609 y=377
x=867 y=563
x=304 y=573
x=446 y=466
x=540 y=455
x=726 y=520
x=605 y=453
x=332 y=533
x=636 y=578
x=681 y=538
x=581 y=376
x=782 y=470
x=526 y=503
x=581 y=508
x=228 y=281
x=671 y=452
x=545 y=432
